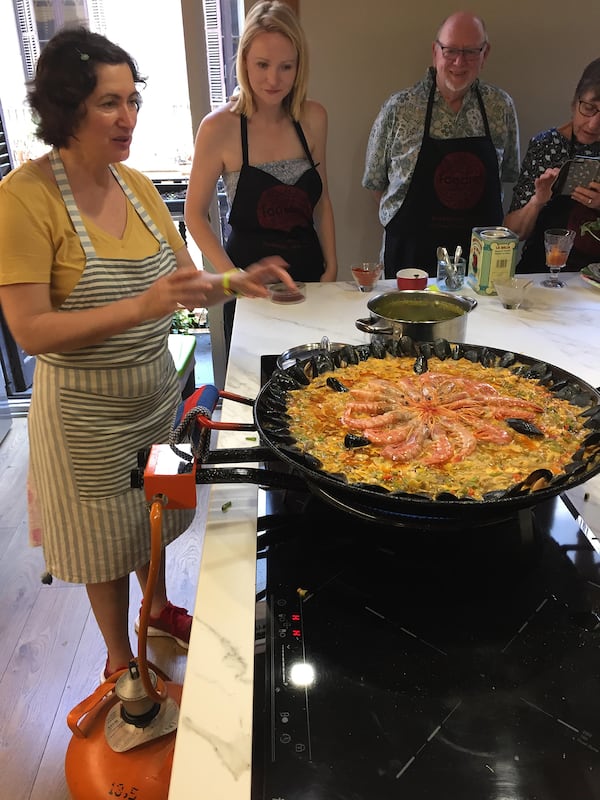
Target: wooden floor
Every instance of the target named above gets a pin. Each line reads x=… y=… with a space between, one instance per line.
x=51 y=652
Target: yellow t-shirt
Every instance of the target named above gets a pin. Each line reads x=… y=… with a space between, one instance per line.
x=39 y=245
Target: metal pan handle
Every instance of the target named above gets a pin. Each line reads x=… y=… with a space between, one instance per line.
x=365 y=325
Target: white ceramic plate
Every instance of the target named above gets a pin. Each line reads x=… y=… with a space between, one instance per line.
x=589 y=280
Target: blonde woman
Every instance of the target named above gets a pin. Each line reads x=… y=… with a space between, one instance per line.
x=268 y=143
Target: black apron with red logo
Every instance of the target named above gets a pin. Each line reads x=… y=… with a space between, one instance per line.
x=269 y=217
x=455 y=187
x=562 y=212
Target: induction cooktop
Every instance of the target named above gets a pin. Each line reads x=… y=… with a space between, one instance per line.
x=410 y=664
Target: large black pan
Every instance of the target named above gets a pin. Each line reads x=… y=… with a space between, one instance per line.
x=377 y=502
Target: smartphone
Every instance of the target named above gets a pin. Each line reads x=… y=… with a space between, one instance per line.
x=578 y=171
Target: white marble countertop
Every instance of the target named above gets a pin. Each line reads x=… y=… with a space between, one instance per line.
x=213 y=746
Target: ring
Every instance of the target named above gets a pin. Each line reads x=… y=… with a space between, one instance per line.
x=590 y=202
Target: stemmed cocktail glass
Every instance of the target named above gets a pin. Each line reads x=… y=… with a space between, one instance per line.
x=558 y=243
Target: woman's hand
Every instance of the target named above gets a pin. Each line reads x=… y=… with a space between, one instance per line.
x=523 y=220
x=543 y=185
x=251 y=282
x=186 y=286
x=589 y=195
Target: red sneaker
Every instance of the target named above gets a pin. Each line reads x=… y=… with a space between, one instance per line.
x=105 y=673
x=173 y=621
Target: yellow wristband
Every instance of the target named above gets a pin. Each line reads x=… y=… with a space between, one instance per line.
x=228 y=291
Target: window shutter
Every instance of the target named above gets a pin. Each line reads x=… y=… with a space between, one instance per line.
x=214 y=52
x=5 y=159
x=30 y=46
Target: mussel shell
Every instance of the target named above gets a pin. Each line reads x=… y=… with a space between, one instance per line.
x=274 y=405
x=323 y=362
x=537 y=370
x=426 y=349
x=458 y=352
x=336 y=385
x=442 y=349
x=378 y=349
x=541 y=474
x=407 y=346
x=275 y=421
x=495 y=494
x=559 y=385
x=524 y=426
x=276 y=392
x=592 y=411
x=363 y=351
x=507 y=360
x=420 y=365
x=352 y=440
x=487 y=358
x=471 y=355
x=298 y=374
x=348 y=355
x=446 y=496
x=591 y=440
x=285 y=380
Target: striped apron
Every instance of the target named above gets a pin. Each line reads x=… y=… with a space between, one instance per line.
x=92 y=410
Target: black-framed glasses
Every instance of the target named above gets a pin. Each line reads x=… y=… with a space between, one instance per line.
x=468 y=53
x=587 y=109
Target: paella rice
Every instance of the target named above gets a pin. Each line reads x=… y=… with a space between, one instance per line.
x=460 y=427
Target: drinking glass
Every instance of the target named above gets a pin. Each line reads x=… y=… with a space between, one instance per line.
x=558 y=243
x=366 y=275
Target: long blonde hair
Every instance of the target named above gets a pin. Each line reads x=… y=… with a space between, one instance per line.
x=271 y=16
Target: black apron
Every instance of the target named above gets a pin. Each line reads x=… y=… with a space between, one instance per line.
x=561 y=212
x=269 y=217
x=455 y=187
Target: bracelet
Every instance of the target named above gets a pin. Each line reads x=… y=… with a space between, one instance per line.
x=227 y=290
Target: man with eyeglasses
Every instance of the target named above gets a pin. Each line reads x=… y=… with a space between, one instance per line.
x=539 y=201
x=439 y=151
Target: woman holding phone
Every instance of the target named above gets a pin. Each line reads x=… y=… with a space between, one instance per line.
x=538 y=203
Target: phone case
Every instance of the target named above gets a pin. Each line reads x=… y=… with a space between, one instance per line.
x=577 y=171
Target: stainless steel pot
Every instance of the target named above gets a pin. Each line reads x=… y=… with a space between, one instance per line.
x=422 y=315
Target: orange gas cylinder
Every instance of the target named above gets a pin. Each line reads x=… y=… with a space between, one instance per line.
x=110 y=757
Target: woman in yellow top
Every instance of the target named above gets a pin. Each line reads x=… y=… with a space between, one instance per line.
x=91 y=270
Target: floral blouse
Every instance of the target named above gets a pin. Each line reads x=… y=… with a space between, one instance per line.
x=397 y=133
x=548 y=149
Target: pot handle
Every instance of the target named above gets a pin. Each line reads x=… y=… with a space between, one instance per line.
x=470 y=300
x=270 y=478
x=365 y=325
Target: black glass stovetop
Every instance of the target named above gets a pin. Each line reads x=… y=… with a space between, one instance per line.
x=406 y=664
x=420 y=665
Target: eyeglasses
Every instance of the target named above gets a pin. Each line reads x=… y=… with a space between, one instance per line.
x=587 y=109
x=468 y=53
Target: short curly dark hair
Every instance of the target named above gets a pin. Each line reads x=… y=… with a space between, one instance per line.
x=65 y=76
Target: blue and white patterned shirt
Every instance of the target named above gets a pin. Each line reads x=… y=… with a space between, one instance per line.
x=547 y=149
x=395 y=140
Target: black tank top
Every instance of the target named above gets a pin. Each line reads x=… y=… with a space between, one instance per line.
x=269 y=217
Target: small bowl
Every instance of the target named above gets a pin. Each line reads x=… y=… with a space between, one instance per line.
x=512 y=291
x=411 y=278
x=281 y=293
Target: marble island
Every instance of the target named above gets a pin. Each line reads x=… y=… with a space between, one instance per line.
x=213 y=748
